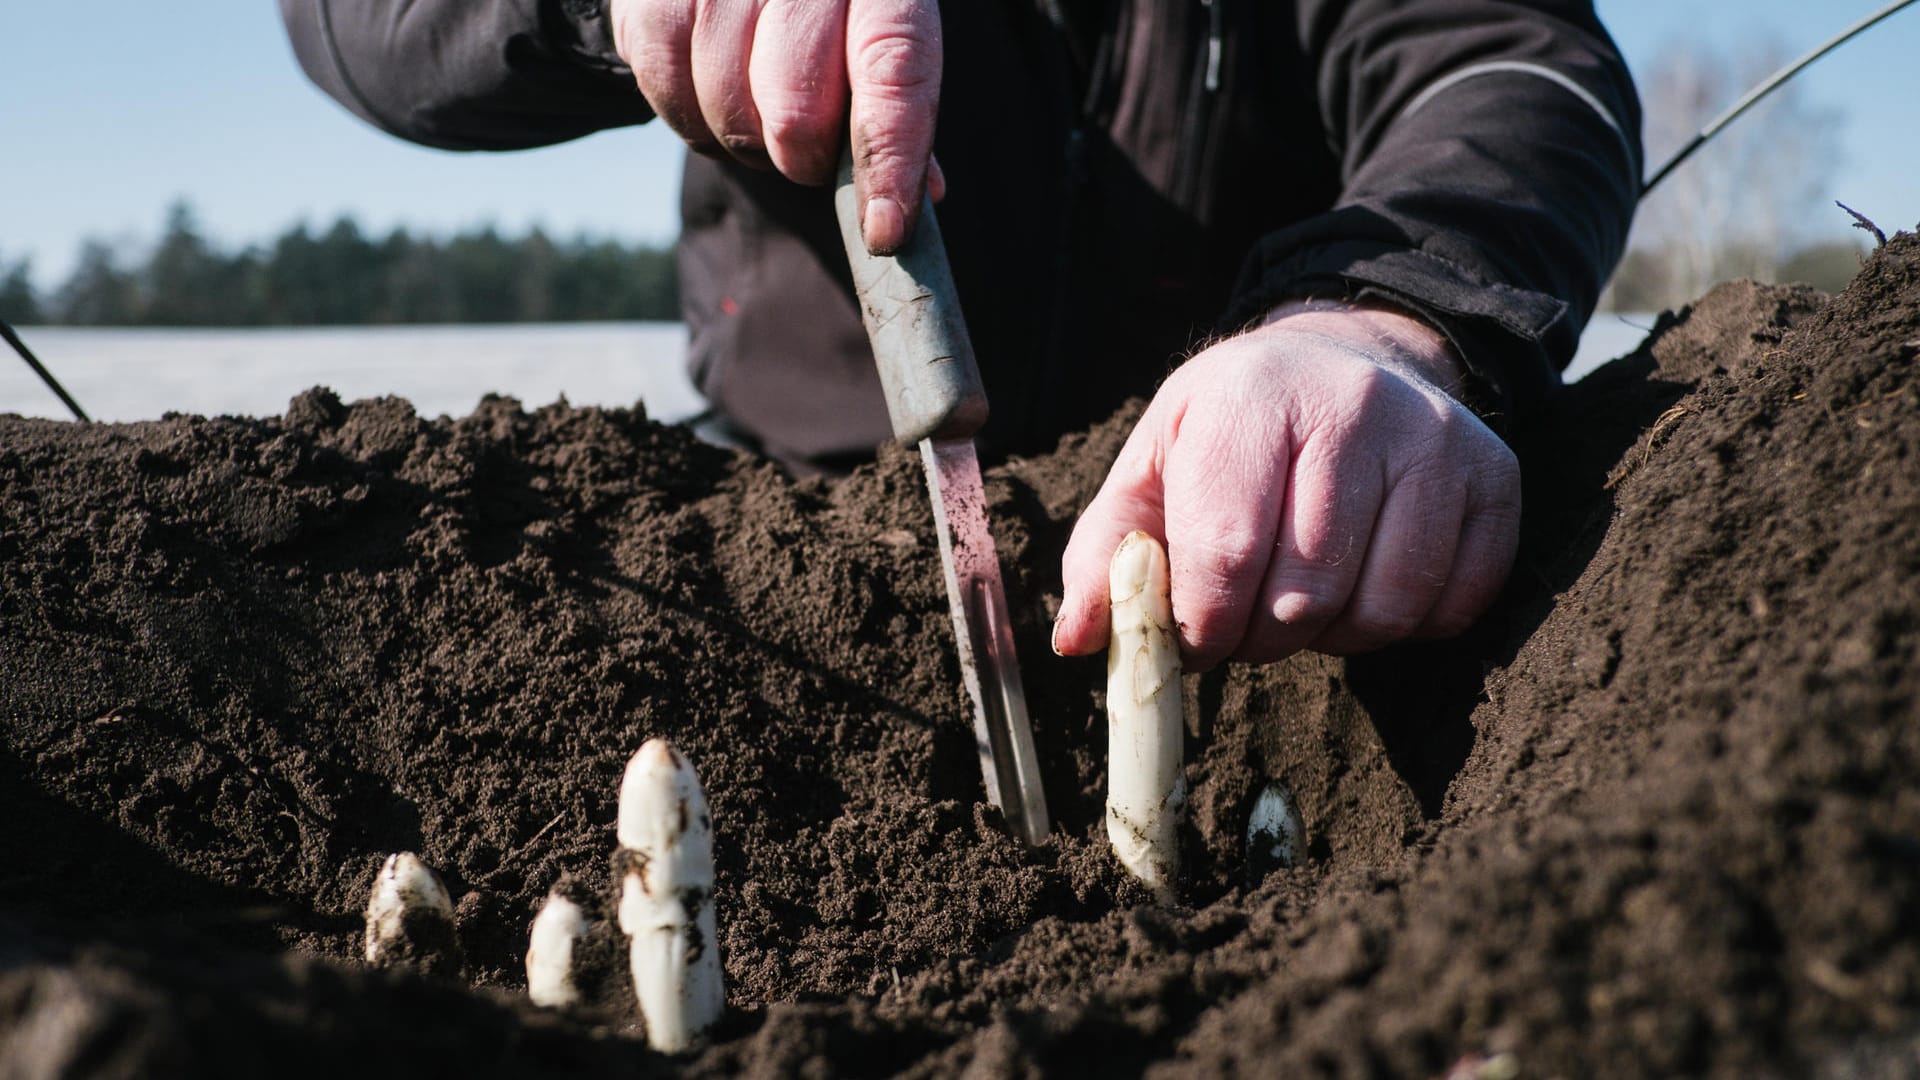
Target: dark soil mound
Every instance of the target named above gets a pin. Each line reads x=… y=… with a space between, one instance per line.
x=1660 y=814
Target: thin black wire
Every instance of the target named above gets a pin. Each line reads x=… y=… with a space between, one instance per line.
x=1754 y=95
x=46 y=376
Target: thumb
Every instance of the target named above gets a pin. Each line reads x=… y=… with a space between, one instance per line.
x=893 y=68
x=1130 y=500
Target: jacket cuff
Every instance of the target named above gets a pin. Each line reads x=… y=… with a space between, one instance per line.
x=585 y=32
x=1512 y=340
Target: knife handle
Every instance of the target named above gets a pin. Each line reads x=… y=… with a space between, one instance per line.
x=913 y=319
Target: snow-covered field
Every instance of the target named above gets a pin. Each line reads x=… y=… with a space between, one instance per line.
x=141 y=374
x=1608 y=337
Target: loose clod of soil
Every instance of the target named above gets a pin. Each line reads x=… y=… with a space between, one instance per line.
x=1659 y=815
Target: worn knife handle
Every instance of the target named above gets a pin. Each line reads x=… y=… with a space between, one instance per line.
x=913 y=321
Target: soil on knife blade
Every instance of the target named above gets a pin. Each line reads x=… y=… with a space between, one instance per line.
x=1658 y=815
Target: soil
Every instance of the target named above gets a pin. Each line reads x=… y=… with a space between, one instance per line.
x=1658 y=815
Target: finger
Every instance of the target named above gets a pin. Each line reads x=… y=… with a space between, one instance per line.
x=722 y=46
x=1226 y=483
x=1489 y=539
x=1333 y=500
x=1407 y=565
x=893 y=71
x=656 y=40
x=1129 y=499
x=797 y=76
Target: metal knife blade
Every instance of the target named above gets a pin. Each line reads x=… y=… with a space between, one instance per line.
x=935 y=398
x=984 y=637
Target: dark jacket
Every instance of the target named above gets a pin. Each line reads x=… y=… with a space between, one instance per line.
x=1125 y=177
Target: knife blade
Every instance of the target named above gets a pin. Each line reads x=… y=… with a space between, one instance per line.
x=984 y=636
x=935 y=398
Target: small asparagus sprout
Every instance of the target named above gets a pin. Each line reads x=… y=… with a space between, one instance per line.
x=1146 y=794
x=410 y=919
x=1276 y=839
x=666 y=896
x=550 y=979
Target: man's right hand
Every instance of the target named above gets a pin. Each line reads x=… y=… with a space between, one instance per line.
x=1317 y=486
x=769 y=82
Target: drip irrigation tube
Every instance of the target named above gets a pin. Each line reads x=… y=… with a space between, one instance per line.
x=46 y=376
x=1773 y=82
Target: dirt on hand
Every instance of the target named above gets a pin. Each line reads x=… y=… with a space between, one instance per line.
x=1658 y=814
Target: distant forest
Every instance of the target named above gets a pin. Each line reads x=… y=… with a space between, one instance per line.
x=1657 y=278
x=343 y=275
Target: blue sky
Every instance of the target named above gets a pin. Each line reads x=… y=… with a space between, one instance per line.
x=111 y=110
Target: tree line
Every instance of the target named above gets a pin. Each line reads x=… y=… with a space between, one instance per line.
x=1655 y=278
x=343 y=275
x=1757 y=202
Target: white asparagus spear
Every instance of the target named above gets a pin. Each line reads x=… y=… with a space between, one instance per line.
x=666 y=896
x=1276 y=839
x=559 y=925
x=410 y=919
x=1146 y=793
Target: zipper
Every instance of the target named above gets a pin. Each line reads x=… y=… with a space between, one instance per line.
x=1199 y=112
x=1214 y=36
x=1078 y=107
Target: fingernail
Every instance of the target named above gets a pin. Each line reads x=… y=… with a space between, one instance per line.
x=884 y=225
x=1054 y=639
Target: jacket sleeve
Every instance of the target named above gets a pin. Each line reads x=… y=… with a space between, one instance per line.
x=468 y=74
x=1490 y=163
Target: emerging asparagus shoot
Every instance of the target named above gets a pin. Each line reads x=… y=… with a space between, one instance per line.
x=1146 y=794
x=559 y=925
x=410 y=919
x=1276 y=839
x=666 y=896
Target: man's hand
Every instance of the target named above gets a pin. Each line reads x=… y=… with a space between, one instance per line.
x=769 y=83
x=1316 y=487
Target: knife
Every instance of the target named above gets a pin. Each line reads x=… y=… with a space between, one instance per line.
x=935 y=398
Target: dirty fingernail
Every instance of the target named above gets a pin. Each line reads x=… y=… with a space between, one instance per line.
x=884 y=225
